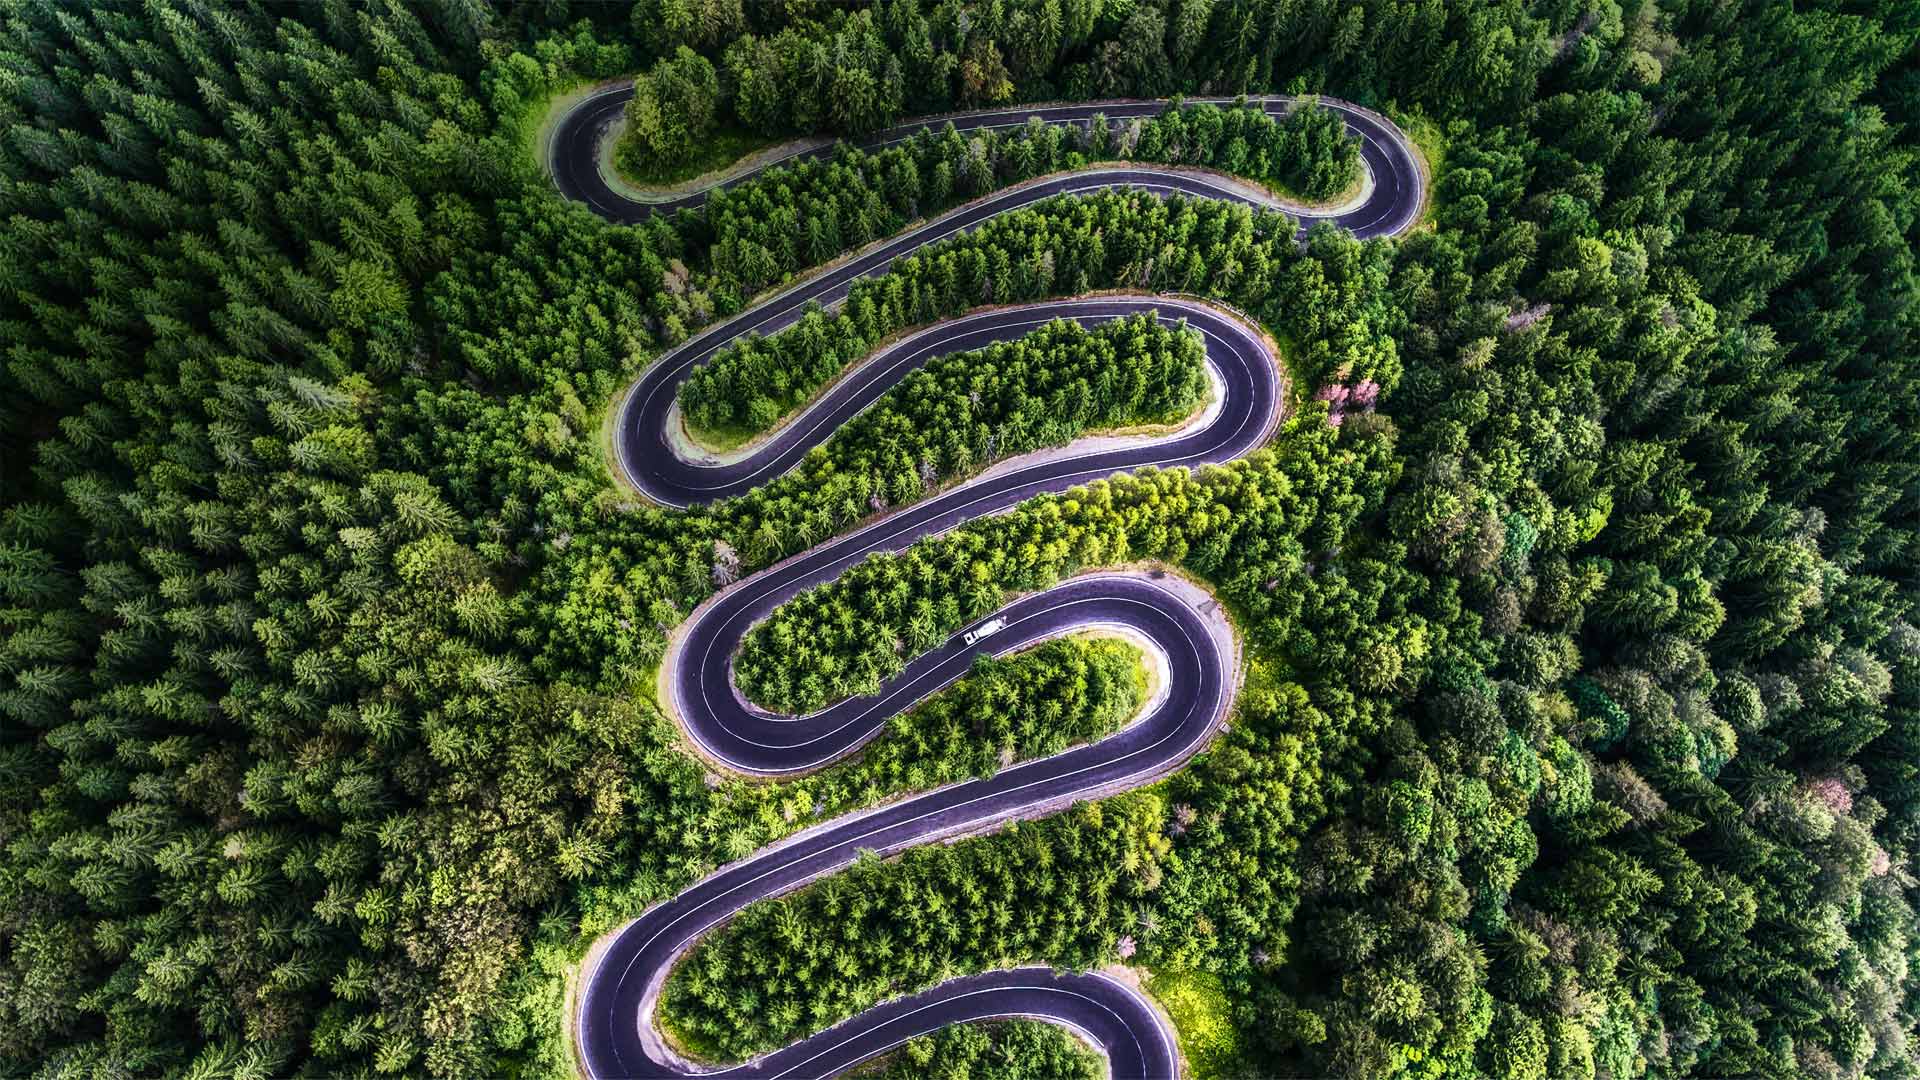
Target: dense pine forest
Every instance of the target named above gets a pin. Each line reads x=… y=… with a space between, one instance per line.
x=1580 y=730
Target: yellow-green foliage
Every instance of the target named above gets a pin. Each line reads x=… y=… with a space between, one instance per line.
x=1197 y=1003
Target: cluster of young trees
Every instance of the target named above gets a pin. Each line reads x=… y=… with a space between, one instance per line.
x=796 y=216
x=1307 y=153
x=674 y=106
x=963 y=411
x=1004 y=1050
x=1064 y=888
x=1310 y=153
x=1034 y=703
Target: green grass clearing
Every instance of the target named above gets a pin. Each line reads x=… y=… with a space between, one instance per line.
x=716 y=150
x=1202 y=1017
x=533 y=123
x=731 y=437
x=1431 y=140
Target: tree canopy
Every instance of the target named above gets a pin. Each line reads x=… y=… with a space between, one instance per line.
x=1577 y=594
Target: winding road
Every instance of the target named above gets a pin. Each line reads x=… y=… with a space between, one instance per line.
x=1192 y=643
x=1391 y=202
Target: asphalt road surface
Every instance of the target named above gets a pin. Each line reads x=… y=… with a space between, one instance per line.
x=616 y=1031
x=1387 y=155
x=617 y=1036
x=653 y=465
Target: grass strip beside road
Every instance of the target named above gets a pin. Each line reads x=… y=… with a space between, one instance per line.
x=716 y=150
x=1196 y=1002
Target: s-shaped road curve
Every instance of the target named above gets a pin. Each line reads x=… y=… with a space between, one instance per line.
x=1391 y=202
x=616 y=1033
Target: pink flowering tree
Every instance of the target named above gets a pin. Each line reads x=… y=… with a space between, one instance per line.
x=1362 y=396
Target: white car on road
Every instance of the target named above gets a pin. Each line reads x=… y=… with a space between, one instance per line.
x=984 y=630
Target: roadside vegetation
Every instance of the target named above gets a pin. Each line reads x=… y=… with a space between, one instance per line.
x=1579 y=595
x=793 y=217
x=1202 y=1014
x=764 y=979
x=1062 y=247
x=962 y=411
x=1028 y=705
x=1006 y=1050
x=716 y=150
